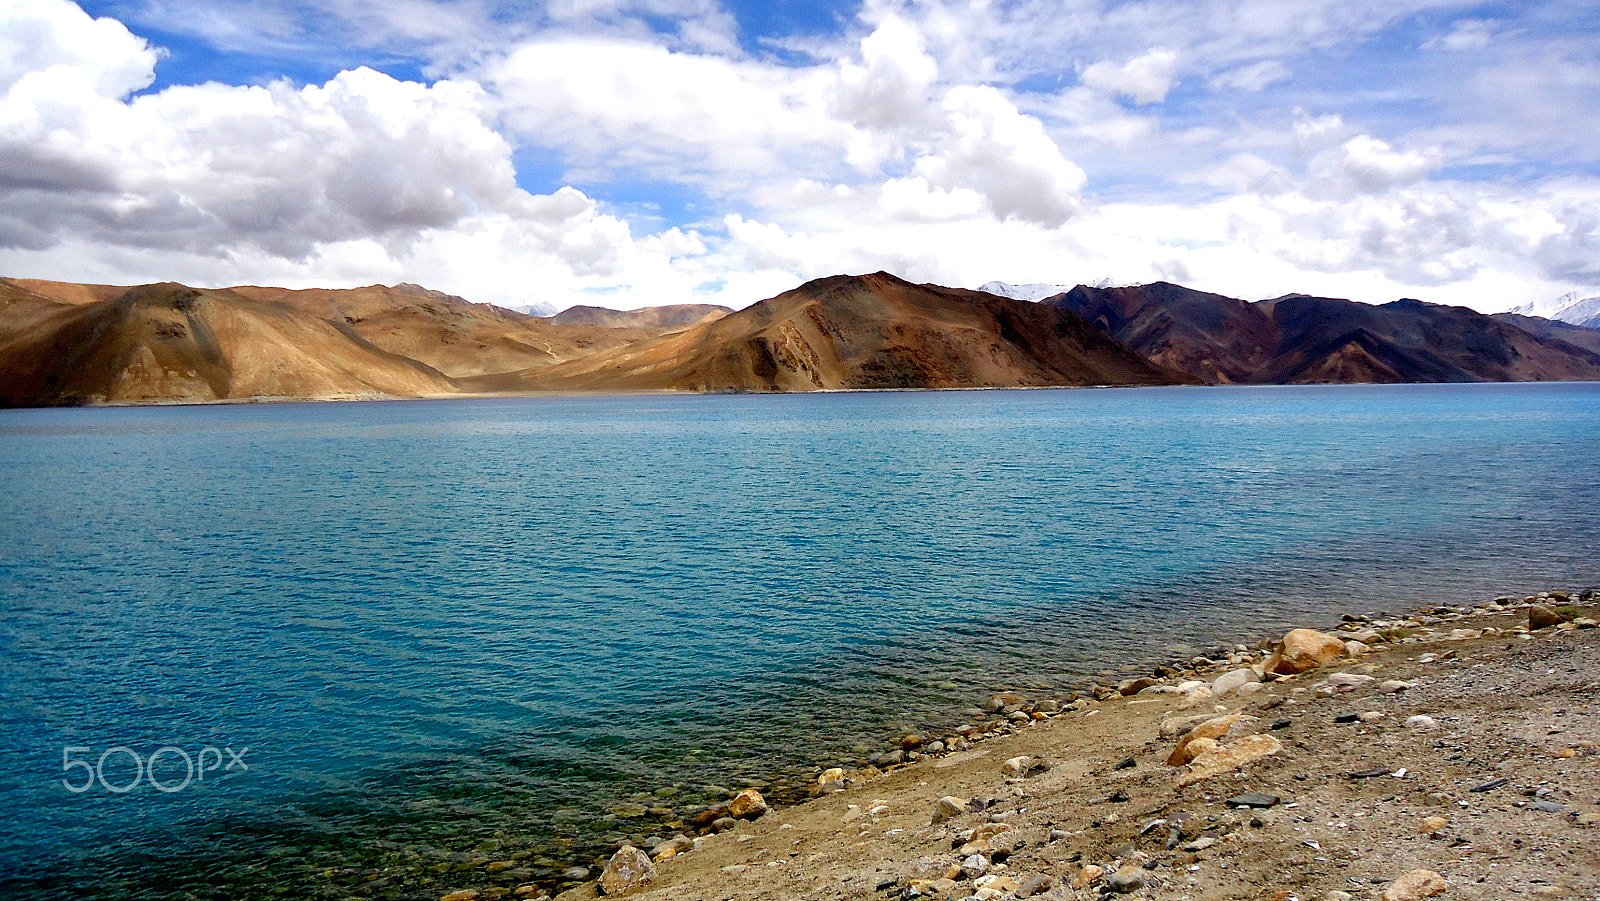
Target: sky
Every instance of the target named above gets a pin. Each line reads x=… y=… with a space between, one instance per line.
x=639 y=152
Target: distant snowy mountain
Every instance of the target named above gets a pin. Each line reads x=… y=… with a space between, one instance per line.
x=1024 y=292
x=1567 y=308
x=542 y=310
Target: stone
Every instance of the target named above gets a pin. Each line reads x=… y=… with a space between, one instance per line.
x=1416 y=885
x=1421 y=721
x=1228 y=683
x=1432 y=824
x=893 y=758
x=1001 y=701
x=974 y=866
x=1586 y=622
x=1349 y=681
x=576 y=873
x=1134 y=686
x=1357 y=648
x=1035 y=884
x=948 y=807
x=1226 y=759
x=1196 y=698
x=1542 y=617
x=1258 y=800
x=1302 y=650
x=1126 y=881
x=1393 y=686
x=935 y=747
x=1199 y=844
x=1087 y=876
x=1017 y=766
x=1337 y=895
x=625 y=871
x=911 y=742
x=747 y=805
x=834 y=775
x=463 y=895
x=672 y=847
x=1216 y=727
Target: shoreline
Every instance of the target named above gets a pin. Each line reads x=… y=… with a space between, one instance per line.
x=702 y=856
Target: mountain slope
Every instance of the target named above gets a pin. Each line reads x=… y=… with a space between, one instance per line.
x=1298 y=339
x=1217 y=339
x=1587 y=338
x=671 y=316
x=449 y=334
x=1568 y=308
x=173 y=343
x=850 y=332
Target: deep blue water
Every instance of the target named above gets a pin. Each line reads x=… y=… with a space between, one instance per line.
x=455 y=631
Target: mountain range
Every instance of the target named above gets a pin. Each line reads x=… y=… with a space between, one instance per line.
x=66 y=343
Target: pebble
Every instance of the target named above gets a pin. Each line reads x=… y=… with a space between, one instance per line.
x=1125 y=882
x=1035 y=884
x=974 y=866
x=1393 y=686
x=1017 y=766
x=1416 y=885
x=1259 y=800
x=1433 y=824
x=1421 y=721
x=1087 y=876
x=947 y=807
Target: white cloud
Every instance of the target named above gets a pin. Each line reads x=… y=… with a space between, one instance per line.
x=1145 y=79
x=1468 y=35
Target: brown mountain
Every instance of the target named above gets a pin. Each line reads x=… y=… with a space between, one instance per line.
x=871 y=331
x=1305 y=340
x=447 y=333
x=173 y=343
x=1576 y=335
x=671 y=316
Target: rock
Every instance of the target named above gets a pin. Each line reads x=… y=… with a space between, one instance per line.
x=1134 y=686
x=935 y=747
x=1199 y=844
x=625 y=871
x=1226 y=759
x=672 y=847
x=893 y=758
x=1416 y=885
x=1196 y=698
x=1126 y=881
x=1357 y=648
x=911 y=742
x=1216 y=727
x=974 y=866
x=1586 y=622
x=1035 y=884
x=747 y=805
x=1393 y=686
x=1542 y=617
x=1258 y=800
x=948 y=807
x=576 y=873
x=1087 y=876
x=1432 y=824
x=723 y=824
x=1016 y=766
x=1228 y=683
x=834 y=775
x=1302 y=650
x=1421 y=721
x=463 y=895
x=1003 y=700
x=1337 y=895
x=1349 y=681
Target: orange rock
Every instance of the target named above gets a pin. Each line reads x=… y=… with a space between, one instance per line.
x=1305 y=649
x=1212 y=728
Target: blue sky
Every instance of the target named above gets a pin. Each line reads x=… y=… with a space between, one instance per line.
x=657 y=151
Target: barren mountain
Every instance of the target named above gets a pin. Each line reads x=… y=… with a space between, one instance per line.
x=1303 y=340
x=447 y=333
x=1587 y=338
x=671 y=316
x=173 y=343
x=872 y=331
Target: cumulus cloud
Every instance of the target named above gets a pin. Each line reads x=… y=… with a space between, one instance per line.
x=1145 y=79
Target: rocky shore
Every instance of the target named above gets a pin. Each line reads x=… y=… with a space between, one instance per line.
x=1452 y=752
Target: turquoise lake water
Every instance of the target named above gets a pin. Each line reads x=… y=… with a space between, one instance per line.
x=442 y=633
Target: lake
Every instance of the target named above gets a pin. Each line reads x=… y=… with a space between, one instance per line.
x=372 y=646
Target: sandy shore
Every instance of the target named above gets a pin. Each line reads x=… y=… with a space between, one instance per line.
x=1494 y=791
